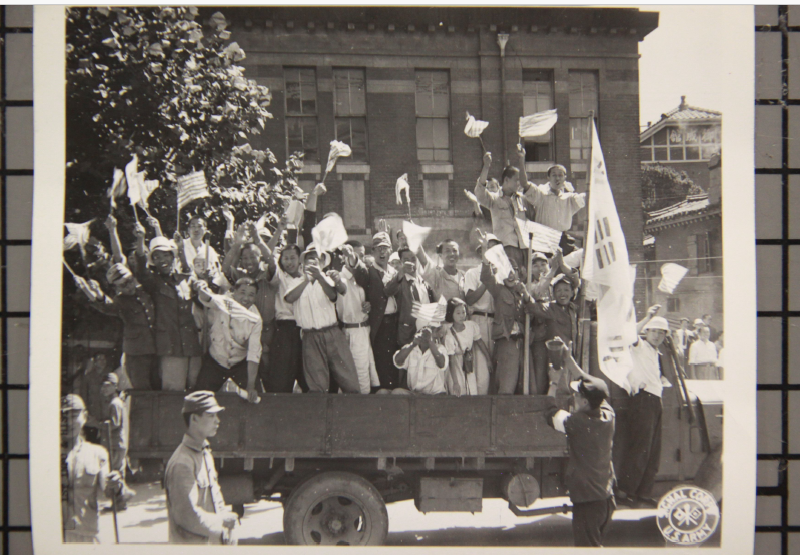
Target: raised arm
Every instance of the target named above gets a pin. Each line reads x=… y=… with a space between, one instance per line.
x=116 y=246
x=229 y=229
x=177 y=238
x=523 y=174
x=652 y=311
x=152 y=222
x=480 y=187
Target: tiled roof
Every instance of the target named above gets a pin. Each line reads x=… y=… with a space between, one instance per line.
x=682 y=113
x=692 y=204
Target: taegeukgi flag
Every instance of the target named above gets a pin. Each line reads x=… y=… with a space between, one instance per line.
x=606 y=265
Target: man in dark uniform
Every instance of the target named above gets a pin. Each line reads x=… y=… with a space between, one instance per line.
x=590 y=433
x=195 y=508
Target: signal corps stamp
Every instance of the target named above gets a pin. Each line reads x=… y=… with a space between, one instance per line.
x=687 y=515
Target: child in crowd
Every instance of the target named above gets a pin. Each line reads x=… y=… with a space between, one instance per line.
x=461 y=340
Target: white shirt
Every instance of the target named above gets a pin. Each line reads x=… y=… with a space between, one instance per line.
x=646 y=373
x=721 y=358
x=388 y=274
x=472 y=281
x=285 y=282
x=191 y=253
x=424 y=375
x=702 y=352
x=466 y=338
x=233 y=339
x=349 y=305
x=314 y=310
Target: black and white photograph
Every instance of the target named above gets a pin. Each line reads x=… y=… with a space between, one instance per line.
x=415 y=276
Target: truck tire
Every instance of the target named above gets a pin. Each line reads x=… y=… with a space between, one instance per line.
x=335 y=508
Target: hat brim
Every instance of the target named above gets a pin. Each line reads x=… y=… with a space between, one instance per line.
x=216 y=409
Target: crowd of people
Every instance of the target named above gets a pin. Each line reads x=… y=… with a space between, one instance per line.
x=274 y=314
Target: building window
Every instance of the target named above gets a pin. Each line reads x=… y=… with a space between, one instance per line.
x=673 y=304
x=301 y=112
x=433 y=116
x=582 y=99
x=699 y=142
x=350 y=109
x=353 y=205
x=703 y=253
x=435 y=193
x=537 y=96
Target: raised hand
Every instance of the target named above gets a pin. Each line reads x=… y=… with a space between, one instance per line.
x=483 y=238
x=521 y=150
x=240 y=236
x=653 y=310
x=320 y=189
x=139 y=231
x=252 y=230
x=349 y=253
x=227 y=214
x=487 y=158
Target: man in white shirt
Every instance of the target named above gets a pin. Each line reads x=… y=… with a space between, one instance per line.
x=194 y=247
x=703 y=357
x=353 y=310
x=235 y=332
x=326 y=350
x=426 y=362
x=637 y=439
x=481 y=304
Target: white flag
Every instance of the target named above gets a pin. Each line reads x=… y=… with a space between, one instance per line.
x=400 y=186
x=671 y=276
x=499 y=259
x=545 y=239
x=474 y=126
x=338 y=148
x=117 y=189
x=606 y=265
x=78 y=234
x=415 y=235
x=139 y=189
x=329 y=234
x=190 y=187
x=574 y=259
x=537 y=124
x=429 y=313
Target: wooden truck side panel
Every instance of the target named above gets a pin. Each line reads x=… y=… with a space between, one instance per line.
x=289 y=425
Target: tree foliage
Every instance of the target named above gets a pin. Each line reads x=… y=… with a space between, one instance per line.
x=160 y=83
x=663 y=186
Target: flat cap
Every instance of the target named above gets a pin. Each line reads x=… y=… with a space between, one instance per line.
x=589 y=384
x=200 y=401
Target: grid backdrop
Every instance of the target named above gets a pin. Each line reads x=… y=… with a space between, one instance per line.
x=777 y=36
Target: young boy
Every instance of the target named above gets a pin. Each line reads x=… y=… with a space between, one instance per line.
x=134 y=306
x=590 y=433
x=326 y=350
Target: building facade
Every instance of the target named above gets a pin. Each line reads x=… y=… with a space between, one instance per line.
x=684 y=139
x=689 y=233
x=396 y=84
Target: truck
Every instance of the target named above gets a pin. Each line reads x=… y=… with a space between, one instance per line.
x=335 y=461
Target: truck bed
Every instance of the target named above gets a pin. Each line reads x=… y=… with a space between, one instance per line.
x=350 y=425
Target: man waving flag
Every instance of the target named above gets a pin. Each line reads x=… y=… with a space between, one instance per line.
x=607 y=266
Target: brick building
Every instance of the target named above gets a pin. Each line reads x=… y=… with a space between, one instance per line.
x=396 y=83
x=689 y=233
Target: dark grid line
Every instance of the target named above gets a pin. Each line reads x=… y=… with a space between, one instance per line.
x=781 y=490
x=5 y=526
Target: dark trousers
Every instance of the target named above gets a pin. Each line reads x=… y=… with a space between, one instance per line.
x=590 y=520
x=213 y=374
x=541 y=379
x=286 y=359
x=637 y=444
x=141 y=371
x=384 y=346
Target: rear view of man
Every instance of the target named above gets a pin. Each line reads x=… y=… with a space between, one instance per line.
x=195 y=508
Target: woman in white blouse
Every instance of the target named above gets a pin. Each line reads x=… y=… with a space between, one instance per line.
x=460 y=341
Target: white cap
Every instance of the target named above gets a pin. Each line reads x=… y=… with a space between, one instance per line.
x=657 y=323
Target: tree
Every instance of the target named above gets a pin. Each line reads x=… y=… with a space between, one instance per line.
x=158 y=83
x=663 y=186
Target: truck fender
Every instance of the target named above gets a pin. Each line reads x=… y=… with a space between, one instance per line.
x=709 y=474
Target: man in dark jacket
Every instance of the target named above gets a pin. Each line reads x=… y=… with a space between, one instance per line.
x=590 y=433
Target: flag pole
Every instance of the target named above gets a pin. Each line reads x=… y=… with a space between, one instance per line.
x=483 y=146
x=526 y=370
x=135 y=213
x=584 y=329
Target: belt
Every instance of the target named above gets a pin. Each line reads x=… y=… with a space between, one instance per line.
x=286 y=323
x=326 y=328
x=392 y=315
x=352 y=326
x=479 y=313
